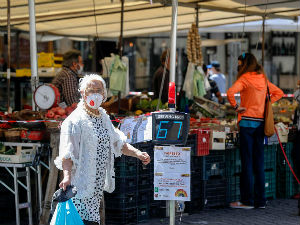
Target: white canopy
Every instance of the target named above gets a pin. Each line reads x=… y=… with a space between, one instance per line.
x=78 y=17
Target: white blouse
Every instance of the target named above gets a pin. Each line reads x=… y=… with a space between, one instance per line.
x=79 y=143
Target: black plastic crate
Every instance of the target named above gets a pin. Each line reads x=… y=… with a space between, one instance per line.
x=143 y=213
x=209 y=166
x=196 y=186
x=144 y=197
x=144 y=182
x=145 y=169
x=120 y=200
x=215 y=192
x=192 y=143
x=125 y=171
x=125 y=160
x=197 y=165
x=214 y=164
x=156 y=210
x=124 y=217
x=126 y=184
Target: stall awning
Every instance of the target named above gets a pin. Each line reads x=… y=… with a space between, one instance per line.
x=79 y=17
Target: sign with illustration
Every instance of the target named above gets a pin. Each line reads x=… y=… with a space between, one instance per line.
x=172 y=175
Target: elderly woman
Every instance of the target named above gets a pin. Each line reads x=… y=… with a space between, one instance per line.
x=88 y=145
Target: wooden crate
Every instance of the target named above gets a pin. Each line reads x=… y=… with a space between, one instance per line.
x=23 y=154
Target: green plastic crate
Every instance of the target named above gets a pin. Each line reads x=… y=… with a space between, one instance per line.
x=288 y=147
x=270 y=184
x=233 y=188
x=270 y=157
x=286 y=183
x=233 y=161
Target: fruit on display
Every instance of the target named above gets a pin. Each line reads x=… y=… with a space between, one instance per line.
x=5 y=126
x=284 y=110
x=58 y=113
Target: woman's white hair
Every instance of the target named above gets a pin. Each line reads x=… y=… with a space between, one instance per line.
x=87 y=79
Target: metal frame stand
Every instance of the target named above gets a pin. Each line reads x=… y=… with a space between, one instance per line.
x=24 y=173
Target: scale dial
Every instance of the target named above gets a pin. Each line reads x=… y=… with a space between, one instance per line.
x=45 y=96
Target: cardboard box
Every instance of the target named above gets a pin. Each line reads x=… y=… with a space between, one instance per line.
x=217 y=140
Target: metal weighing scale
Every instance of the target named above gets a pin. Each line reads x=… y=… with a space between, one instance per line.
x=46 y=96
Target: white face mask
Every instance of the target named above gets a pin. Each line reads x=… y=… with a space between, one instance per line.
x=94 y=100
x=79 y=71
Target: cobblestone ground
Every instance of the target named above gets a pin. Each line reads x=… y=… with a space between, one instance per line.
x=278 y=212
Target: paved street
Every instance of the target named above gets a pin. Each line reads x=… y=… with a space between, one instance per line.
x=278 y=212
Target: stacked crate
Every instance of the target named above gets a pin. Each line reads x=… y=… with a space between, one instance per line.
x=208 y=182
x=121 y=205
x=132 y=201
x=270 y=152
x=145 y=183
x=286 y=183
x=233 y=172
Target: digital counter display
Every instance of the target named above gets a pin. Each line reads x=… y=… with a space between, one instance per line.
x=170 y=127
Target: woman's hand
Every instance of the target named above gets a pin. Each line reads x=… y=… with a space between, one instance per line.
x=241 y=110
x=144 y=157
x=67 y=167
x=65 y=182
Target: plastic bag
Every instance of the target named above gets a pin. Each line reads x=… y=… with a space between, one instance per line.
x=188 y=85
x=198 y=79
x=66 y=214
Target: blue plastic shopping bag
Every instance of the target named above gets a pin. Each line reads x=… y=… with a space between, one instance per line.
x=65 y=212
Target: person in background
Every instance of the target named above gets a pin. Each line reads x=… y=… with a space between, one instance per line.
x=158 y=77
x=296 y=150
x=251 y=84
x=67 y=79
x=213 y=88
x=88 y=146
x=216 y=75
x=3 y=64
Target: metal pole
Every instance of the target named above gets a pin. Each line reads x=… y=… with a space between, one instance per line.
x=173 y=40
x=16 y=196
x=33 y=49
x=29 y=195
x=172 y=78
x=121 y=29
x=39 y=188
x=8 y=57
x=263 y=42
